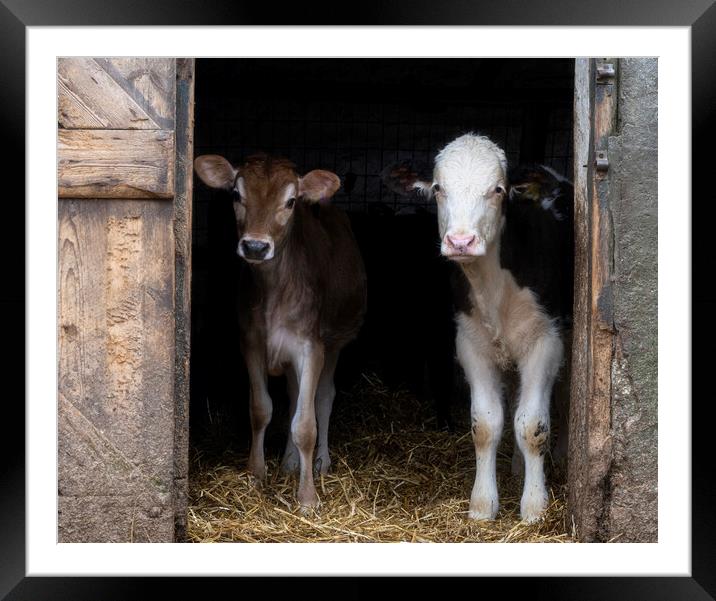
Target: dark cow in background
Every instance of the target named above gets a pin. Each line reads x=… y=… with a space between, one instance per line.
x=538 y=249
x=538 y=239
x=305 y=299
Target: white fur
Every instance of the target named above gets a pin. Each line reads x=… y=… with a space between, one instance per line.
x=241 y=187
x=239 y=211
x=547 y=204
x=285 y=349
x=557 y=176
x=486 y=413
x=468 y=171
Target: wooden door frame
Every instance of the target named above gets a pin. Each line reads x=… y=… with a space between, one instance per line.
x=183 y=170
x=590 y=448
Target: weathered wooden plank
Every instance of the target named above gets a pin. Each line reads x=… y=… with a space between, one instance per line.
x=148 y=80
x=182 y=286
x=115 y=163
x=579 y=394
x=116 y=368
x=590 y=451
x=91 y=98
x=601 y=310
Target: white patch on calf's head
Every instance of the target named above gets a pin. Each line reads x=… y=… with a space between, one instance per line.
x=239 y=211
x=286 y=201
x=240 y=187
x=469 y=182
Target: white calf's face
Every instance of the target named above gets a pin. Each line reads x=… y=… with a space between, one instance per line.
x=469 y=184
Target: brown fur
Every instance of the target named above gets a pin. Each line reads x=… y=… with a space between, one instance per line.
x=310 y=297
x=303 y=300
x=508 y=315
x=315 y=285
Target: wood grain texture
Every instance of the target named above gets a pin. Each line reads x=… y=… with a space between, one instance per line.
x=182 y=287
x=151 y=81
x=115 y=93
x=579 y=395
x=115 y=163
x=590 y=451
x=116 y=370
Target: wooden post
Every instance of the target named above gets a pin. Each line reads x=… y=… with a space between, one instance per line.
x=182 y=286
x=590 y=410
x=612 y=482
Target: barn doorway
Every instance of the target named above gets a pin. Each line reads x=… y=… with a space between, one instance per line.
x=402 y=453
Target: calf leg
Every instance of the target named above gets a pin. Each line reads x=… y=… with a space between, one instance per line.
x=487 y=420
x=325 y=395
x=537 y=372
x=260 y=410
x=290 y=461
x=308 y=366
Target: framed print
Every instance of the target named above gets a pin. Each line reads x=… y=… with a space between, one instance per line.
x=245 y=229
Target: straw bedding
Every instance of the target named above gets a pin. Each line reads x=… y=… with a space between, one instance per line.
x=394 y=477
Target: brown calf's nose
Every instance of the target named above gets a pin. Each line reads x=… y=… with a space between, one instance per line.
x=254 y=249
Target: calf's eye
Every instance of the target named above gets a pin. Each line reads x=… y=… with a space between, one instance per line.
x=290 y=202
x=499 y=190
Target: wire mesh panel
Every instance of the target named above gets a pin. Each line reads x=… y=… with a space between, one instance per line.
x=357 y=140
x=558 y=145
x=358 y=129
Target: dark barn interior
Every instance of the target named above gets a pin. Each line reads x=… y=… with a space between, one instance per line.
x=356 y=117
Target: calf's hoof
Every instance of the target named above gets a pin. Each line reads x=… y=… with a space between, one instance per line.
x=290 y=463
x=483 y=508
x=533 y=506
x=257 y=470
x=307 y=503
x=321 y=464
x=305 y=511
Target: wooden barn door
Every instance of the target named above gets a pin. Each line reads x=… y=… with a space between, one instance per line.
x=613 y=412
x=125 y=128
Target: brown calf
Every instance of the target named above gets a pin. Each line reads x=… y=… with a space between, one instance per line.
x=305 y=302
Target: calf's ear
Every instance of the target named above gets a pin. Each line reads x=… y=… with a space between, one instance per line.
x=406 y=177
x=318 y=185
x=215 y=171
x=525 y=191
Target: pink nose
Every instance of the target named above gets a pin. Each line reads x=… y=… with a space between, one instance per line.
x=461 y=243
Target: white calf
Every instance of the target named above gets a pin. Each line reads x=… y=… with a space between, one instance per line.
x=499 y=325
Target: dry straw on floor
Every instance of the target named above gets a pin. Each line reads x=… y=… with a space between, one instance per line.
x=393 y=478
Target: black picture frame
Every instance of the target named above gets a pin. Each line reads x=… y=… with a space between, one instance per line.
x=700 y=15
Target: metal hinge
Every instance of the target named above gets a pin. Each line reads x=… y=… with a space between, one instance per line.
x=602 y=160
x=605 y=72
